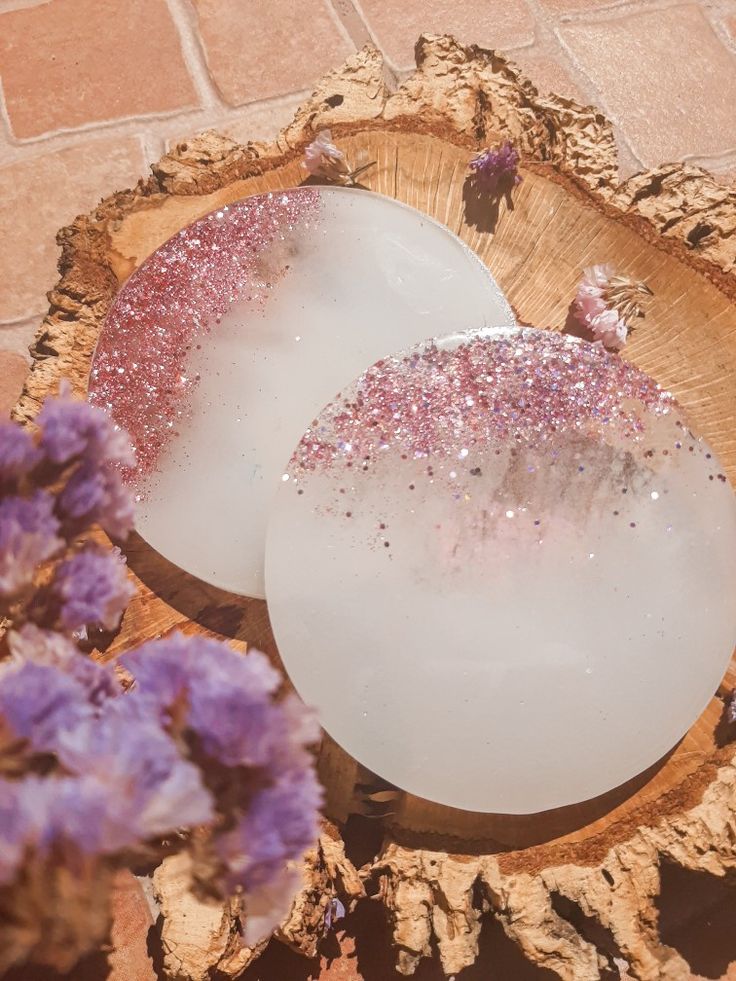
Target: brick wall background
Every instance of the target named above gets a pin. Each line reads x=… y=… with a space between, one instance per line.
x=94 y=90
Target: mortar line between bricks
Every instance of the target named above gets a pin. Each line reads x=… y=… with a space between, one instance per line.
x=710 y=158
x=187 y=26
x=198 y=117
x=626 y=8
x=21 y=321
x=338 y=22
x=543 y=19
x=601 y=103
x=5 y=116
x=97 y=126
x=10 y=6
x=397 y=73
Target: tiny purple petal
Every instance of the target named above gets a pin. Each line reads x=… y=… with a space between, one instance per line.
x=45 y=647
x=152 y=789
x=92 y=588
x=279 y=827
x=18 y=452
x=335 y=911
x=28 y=537
x=95 y=495
x=71 y=429
x=37 y=703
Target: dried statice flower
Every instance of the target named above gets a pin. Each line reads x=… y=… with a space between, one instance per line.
x=732 y=708
x=91 y=589
x=150 y=789
x=72 y=430
x=18 y=452
x=495 y=171
x=37 y=703
x=253 y=751
x=606 y=304
x=52 y=649
x=200 y=754
x=323 y=159
x=29 y=535
x=98 y=496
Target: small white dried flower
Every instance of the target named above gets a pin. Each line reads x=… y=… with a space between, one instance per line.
x=606 y=304
x=323 y=159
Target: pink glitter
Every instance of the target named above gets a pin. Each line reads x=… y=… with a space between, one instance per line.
x=139 y=372
x=525 y=388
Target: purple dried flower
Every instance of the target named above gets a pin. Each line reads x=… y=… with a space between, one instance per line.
x=335 y=911
x=37 y=703
x=71 y=429
x=279 y=826
x=222 y=703
x=28 y=536
x=18 y=452
x=92 y=589
x=98 y=495
x=151 y=789
x=46 y=647
x=228 y=698
x=65 y=813
x=14 y=823
x=495 y=170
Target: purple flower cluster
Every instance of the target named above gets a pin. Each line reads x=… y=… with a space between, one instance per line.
x=200 y=742
x=29 y=535
x=200 y=753
x=73 y=430
x=18 y=452
x=92 y=589
x=495 y=171
x=254 y=754
x=53 y=487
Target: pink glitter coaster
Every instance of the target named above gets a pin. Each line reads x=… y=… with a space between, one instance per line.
x=491 y=544
x=221 y=347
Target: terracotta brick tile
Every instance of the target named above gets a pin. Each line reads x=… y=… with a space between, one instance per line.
x=549 y=71
x=37 y=197
x=66 y=63
x=13 y=371
x=492 y=23
x=256 y=50
x=668 y=102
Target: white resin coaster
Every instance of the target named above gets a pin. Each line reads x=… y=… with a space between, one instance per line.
x=220 y=349
x=504 y=571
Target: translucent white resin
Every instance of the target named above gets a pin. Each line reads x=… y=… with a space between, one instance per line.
x=368 y=276
x=511 y=633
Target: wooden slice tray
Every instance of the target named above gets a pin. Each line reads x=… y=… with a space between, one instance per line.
x=438 y=871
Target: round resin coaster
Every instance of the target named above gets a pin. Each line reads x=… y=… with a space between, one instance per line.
x=504 y=570
x=220 y=349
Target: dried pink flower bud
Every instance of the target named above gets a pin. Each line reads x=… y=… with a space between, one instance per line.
x=606 y=304
x=323 y=159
